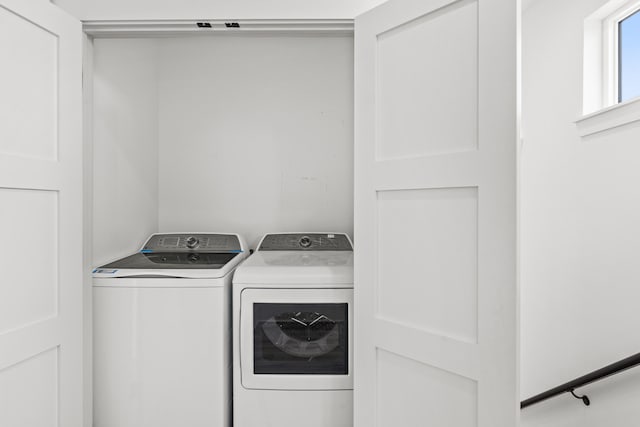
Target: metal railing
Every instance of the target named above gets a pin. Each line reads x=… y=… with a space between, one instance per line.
x=571 y=386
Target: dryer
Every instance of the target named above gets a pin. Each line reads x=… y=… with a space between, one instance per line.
x=162 y=333
x=293 y=332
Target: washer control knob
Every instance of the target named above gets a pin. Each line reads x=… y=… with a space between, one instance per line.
x=193 y=258
x=305 y=241
x=192 y=242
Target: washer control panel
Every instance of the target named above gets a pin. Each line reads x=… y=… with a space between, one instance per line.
x=306 y=242
x=201 y=242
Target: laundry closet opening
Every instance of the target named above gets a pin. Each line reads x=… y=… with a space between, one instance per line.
x=244 y=133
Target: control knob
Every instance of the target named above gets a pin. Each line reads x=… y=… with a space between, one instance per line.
x=192 y=242
x=305 y=241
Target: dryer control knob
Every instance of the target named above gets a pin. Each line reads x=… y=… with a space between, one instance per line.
x=305 y=241
x=192 y=242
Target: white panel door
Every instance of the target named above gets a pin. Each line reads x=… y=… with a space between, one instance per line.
x=40 y=216
x=435 y=214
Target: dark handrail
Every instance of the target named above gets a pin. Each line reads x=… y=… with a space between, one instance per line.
x=569 y=387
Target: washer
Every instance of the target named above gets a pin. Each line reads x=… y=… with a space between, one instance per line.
x=162 y=333
x=293 y=332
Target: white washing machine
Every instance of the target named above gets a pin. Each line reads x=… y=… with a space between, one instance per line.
x=162 y=333
x=293 y=333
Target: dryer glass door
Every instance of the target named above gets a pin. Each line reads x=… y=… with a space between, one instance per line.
x=300 y=338
x=296 y=339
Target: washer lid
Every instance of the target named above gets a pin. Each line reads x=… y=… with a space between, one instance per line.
x=173 y=261
x=193 y=255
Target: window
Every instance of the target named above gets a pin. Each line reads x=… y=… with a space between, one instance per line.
x=611 y=67
x=621 y=52
x=629 y=57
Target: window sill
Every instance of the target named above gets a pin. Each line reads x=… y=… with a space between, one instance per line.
x=609 y=118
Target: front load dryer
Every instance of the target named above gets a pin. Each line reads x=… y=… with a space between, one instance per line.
x=162 y=333
x=293 y=332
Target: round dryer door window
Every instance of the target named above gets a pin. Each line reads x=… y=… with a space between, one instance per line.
x=300 y=338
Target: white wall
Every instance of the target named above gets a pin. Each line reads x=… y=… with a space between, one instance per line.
x=580 y=232
x=88 y=10
x=125 y=147
x=256 y=134
x=238 y=134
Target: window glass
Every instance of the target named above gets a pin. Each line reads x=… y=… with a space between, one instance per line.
x=629 y=57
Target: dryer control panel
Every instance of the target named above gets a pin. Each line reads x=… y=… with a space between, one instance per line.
x=306 y=242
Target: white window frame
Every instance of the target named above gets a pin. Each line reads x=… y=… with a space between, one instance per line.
x=601 y=108
x=611 y=50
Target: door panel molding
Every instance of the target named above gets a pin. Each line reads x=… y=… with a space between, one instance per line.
x=435 y=213
x=41 y=178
